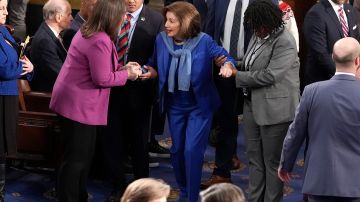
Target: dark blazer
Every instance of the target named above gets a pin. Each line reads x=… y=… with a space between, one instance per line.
x=47 y=55
x=215 y=20
x=321 y=30
x=149 y=24
x=329 y=115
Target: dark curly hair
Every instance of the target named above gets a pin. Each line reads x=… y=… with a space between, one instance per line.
x=263 y=14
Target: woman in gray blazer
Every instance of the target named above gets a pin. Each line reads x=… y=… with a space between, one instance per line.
x=269 y=79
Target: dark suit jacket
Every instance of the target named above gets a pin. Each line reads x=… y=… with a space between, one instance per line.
x=215 y=21
x=47 y=54
x=321 y=30
x=329 y=115
x=149 y=24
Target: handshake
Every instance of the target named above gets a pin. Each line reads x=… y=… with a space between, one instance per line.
x=135 y=71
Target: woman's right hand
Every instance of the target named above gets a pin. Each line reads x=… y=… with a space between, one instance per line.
x=27 y=65
x=134 y=70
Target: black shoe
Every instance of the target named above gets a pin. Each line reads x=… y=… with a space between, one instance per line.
x=153 y=163
x=156 y=150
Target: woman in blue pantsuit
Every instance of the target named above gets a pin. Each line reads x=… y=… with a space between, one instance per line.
x=183 y=57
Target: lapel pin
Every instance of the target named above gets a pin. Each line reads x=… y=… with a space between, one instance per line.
x=142 y=19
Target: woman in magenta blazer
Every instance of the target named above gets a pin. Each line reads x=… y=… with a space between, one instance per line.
x=81 y=93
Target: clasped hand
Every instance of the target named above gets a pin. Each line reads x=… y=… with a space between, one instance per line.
x=227 y=70
x=27 y=65
x=133 y=70
x=151 y=73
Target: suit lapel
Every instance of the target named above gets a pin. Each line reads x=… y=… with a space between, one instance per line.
x=330 y=11
x=56 y=40
x=141 y=22
x=350 y=19
x=250 y=47
x=263 y=46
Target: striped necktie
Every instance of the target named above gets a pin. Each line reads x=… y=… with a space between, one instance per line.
x=235 y=30
x=122 y=41
x=344 y=26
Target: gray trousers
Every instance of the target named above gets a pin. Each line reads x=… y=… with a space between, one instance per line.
x=17 y=14
x=263 y=148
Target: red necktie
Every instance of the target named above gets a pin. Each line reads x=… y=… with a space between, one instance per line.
x=344 y=26
x=122 y=41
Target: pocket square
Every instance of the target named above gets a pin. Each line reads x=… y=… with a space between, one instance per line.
x=355 y=27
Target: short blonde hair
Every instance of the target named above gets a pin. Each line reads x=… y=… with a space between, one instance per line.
x=145 y=189
x=222 y=192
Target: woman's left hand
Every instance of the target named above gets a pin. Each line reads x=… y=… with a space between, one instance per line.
x=27 y=65
x=150 y=74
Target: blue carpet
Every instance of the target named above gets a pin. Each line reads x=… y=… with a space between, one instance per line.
x=32 y=187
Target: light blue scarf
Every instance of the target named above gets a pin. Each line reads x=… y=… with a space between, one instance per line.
x=181 y=59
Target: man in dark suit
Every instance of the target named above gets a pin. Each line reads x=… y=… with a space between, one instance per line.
x=47 y=51
x=322 y=28
x=219 y=25
x=129 y=113
x=328 y=114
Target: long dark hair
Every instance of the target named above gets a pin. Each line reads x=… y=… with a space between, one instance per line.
x=106 y=16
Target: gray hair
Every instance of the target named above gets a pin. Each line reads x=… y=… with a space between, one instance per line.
x=53 y=7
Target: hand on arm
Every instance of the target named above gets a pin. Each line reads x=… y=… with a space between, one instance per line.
x=219 y=61
x=227 y=70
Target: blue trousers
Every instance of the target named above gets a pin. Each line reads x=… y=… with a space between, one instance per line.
x=189 y=129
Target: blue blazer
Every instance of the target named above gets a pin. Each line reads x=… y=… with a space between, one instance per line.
x=206 y=94
x=321 y=30
x=10 y=66
x=215 y=21
x=329 y=115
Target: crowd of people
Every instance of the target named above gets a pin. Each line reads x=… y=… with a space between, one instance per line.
x=118 y=68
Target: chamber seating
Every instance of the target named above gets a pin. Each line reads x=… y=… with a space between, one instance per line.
x=38 y=134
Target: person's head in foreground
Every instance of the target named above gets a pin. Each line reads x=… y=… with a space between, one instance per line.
x=222 y=192
x=146 y=190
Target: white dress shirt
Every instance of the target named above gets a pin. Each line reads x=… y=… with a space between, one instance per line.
x=228 y=25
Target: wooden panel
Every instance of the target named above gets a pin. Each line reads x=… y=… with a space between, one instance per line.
x=75 y=4
x=38 y=137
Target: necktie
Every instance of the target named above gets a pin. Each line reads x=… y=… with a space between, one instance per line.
x=235 y=31
x=62 y=43
x=122 y=41
x=344 y=26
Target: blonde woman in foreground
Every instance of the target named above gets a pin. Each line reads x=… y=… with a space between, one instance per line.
x=146 y=190
x=222 y=192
